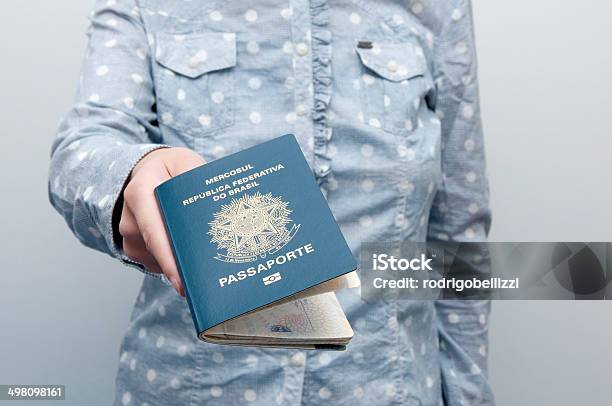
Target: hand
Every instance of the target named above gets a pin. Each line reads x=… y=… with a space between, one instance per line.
x=141 y=226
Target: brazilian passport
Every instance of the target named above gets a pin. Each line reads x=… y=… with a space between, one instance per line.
x=259 y=251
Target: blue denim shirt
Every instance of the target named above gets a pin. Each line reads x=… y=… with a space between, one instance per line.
x=383 y=99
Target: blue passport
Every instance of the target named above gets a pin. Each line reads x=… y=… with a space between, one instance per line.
x=258 y=250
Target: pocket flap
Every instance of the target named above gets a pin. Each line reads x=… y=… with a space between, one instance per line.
x=193 y=55
x=395 y=62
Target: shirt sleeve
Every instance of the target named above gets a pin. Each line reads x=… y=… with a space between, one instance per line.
x=461 y=207
x=110 y=127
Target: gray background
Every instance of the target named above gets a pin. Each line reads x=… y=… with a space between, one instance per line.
x=545 y=85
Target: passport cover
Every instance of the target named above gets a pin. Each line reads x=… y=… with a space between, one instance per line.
x=250 y=229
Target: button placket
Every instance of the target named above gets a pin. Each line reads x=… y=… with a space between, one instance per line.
x=302 y=66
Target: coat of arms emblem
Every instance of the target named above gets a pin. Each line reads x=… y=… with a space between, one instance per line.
x=250 y=227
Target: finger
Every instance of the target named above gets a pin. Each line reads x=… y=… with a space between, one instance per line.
x=136 y=250
x=128 y=228
x=141 y=202
x=188 y=160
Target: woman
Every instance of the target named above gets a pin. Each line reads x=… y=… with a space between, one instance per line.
x=383 y=100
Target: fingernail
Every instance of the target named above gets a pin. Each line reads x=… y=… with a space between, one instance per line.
x=176 y=285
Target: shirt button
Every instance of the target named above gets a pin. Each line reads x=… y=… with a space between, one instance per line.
x=300 y=110
x=302 y=49
x=298 y=359
x=392 y=66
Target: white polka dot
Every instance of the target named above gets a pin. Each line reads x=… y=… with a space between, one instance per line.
x=217 y=97
x=332 y=184
x=324 y=393
x=217 y=357
x=291 y=117
x=367 y=150
x=405 y=152
x=216 y=16
x=181 y=95
x=110 y=43
x=423 y=349
x=471 y=177
x=218 y=151
x=398 y=19
x=160 y=341
x=367 y=185
x=358 y=392
x=365 y=221
x=290 y=82
x=251 y=361
x=360 y=117
x=469 y=144
x=408 y=124
x=387 y=100
x=126 y=398
x=216 y=391
x=128 y=102
x=453 y=318
x=182 y=350
x=356 y=84
x=137 y=78
x=469 y=233
x=374 y=122
x=254 y=83
x=324 y=359
x=141 y=53
x=368 y=79
x=175 y=383
x=390 y=390
x=457 y=14
x=355 y=18
x=111 y=22
x=151 y=375
x=252 y=47
x=288 y=47
x=229 y=36
x=468 y=112
x=142 y=333
x=94 y=98
x=473 y=208
x=167 y=118
x=482 y=350
x=250 y=395
x=102 y=70
x=406 y=187
x=429 y=382
x=286 y=13
x=133 y=364
x=255 y=117
x=251 y=16
x=461 y=47
x=204 y=120
x=392 y=323
x=475 y=369
x=417 y=8
x=482 y=319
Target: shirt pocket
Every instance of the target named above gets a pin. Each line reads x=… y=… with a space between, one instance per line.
x=395 y=84
x=195 y=81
